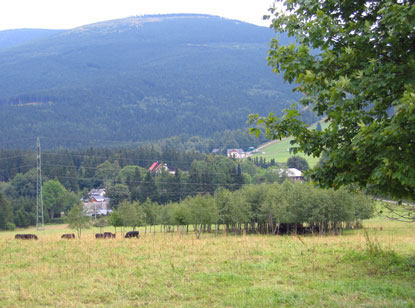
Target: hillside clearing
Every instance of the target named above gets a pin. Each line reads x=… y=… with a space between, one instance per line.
x=279 y=150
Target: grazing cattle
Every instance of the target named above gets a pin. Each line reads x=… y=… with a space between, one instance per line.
x=291 y=228
x=109 y=235
x=131 y=234
x=26 y=236
x=68 y=236
x=99 y=235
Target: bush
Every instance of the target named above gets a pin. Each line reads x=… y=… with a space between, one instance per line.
x=10 y=226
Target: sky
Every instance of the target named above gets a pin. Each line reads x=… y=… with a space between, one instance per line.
x=67 y=14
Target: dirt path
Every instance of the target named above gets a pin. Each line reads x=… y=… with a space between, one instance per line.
x=267 y=144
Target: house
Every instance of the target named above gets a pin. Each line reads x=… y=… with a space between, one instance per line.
x=292 y=173
x=158 y=167
x=235 y=153
x=97 y=204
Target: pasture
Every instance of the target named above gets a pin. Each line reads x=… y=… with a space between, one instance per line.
x=280 y=150
x=375 y=268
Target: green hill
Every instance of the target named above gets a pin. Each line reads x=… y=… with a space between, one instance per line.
x=137 y=79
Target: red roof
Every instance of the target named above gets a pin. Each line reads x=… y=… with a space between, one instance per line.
x=154 y=166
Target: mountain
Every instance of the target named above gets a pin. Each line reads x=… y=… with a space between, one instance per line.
x=137 y=79
x=11 y=38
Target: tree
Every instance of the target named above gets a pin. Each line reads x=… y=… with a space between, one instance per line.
x=53 y=197
x=107 y=172
x=298 y=163
x=115 y=220
x=318 y=127
x=149 y=211
x=118 y=193
x=202 y=210
x=6 y=212
x=239 y=179
x=24 y=185
x=129 y=214
x=69 y=199
x=354 y=61
x=149 y=189
x=101 y=223
x=77 y=220
x=177 y=187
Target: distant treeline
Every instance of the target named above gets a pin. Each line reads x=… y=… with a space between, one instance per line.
x=178 y=152
x=271 y=208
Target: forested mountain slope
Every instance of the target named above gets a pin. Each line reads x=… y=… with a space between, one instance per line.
x=137 y=79
x=11 y=38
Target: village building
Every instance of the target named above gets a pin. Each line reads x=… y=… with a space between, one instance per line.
x=236 y=153
x=292 y=174
x=158 y=168
x=97 y=204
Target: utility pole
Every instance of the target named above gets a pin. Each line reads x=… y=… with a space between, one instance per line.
x=39 y=196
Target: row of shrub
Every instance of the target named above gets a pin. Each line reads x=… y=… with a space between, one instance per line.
x=267 y=208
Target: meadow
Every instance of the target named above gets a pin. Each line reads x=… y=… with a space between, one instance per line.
x=361 y=268
x=279 y=150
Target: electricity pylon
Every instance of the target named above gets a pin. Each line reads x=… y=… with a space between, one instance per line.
x=39 y=196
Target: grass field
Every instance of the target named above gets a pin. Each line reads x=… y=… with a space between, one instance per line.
x=280 y=150
x=169 y=270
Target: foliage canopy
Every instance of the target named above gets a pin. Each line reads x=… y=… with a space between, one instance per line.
x=354 y=62
x=77 y=220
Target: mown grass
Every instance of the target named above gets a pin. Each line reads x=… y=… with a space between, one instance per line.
x=172 y=270
x=280 y=150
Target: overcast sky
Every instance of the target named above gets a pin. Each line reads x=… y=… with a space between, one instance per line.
x=66 y=14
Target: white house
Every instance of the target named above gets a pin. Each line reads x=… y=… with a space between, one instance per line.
x=292 y=173
x=236 y=153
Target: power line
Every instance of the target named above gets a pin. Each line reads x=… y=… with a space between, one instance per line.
x=155 y=182
x=11 y=157
x=121 y=158
x=19 y=167
x=115 y=169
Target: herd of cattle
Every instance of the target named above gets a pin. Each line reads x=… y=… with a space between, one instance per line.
x=68 y=236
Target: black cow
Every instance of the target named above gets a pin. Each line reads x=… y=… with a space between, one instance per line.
x=290 y=228
x=26 y=236
x=131 y=234
x=109 y=235
x=99 y=235
x=68 y=236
